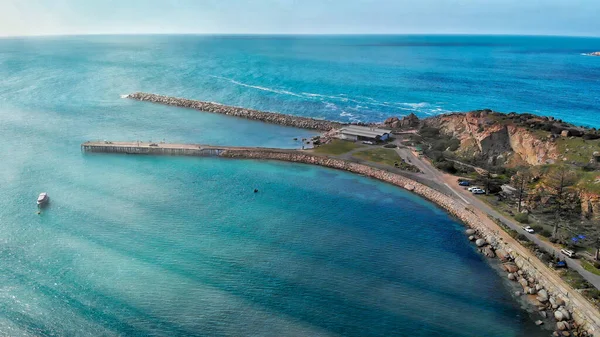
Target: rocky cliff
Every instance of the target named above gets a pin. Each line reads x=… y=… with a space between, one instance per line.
x=493 y=137
x=590 y=204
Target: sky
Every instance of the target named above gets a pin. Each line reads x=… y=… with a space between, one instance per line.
x=519 y=17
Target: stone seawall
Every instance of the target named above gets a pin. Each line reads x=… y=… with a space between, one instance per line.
x=263 y=116
x=575 y=316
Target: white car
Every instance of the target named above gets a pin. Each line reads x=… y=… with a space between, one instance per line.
x=528 y=229
x=368 y=142
x=470 y=189
x=477 y=191
x=568 y=253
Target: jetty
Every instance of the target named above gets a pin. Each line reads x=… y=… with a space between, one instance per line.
x=263 y=116
x=167 y=149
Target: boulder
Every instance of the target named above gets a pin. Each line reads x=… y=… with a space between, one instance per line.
x=480 y=242
x=558 y=315
x=538 y=322
x=518 y=293
x=562 y=326
x=489 y=252
x=544 y=314
x=542 y=296
x=470 y=231
x=472 y=238
x=565 y=313
x=409 y=121
x=511 y=276
x=502 y=254
x=391 y=120
x=510 y=267
x=523 y=283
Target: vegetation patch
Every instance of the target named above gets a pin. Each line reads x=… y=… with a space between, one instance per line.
x=522 y=218
x=589 y=267
x=337 y=147
x=379 y=155
x=575 y=280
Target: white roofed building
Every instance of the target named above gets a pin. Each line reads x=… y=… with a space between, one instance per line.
x=356 y=132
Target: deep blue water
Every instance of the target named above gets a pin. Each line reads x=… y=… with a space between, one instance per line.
x=181 y=246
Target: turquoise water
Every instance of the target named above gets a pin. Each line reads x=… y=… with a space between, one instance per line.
x=134 y=245
x=366 y=78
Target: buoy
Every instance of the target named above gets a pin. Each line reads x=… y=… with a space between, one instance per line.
x=39 y=212
x=255 y=190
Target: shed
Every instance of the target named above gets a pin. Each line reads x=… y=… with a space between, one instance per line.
x=356 y=132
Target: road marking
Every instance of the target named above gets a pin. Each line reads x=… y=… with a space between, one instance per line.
x=460 y=196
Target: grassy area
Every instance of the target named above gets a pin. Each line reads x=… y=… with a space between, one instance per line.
x=337 y=147
x=379 y=155
x=589 y=267
x=578 y=149
x=574 y=279
x=589 y=182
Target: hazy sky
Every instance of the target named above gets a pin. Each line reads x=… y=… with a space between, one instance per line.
x=555 y=17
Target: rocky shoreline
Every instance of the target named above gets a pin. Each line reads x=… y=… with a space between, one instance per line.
x=551 y=299
x=263 y=116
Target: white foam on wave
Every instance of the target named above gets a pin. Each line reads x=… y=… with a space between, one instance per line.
x=276 y=91
x=330 y=106
x=362 y=102
x=124 y=96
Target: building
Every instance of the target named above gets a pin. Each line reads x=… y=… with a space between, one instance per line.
x=356 y=132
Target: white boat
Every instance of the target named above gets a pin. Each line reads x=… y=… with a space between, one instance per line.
x=42 y=198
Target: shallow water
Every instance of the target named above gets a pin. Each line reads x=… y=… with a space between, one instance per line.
x=140 y=245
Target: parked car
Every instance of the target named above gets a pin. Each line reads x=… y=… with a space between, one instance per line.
x=528 y=229
x=464 y=183
x=568 y=253
x=368 y=142
x=560 y=264
x=477 y=191
x=470 y=189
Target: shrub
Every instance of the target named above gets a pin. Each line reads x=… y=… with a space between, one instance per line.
x=545 y=233
x=592 y=293
x=447 y=166
x=429 y=132
x=453 y=144
x=522 y=238
x=537 y=228
x=390 y=146
x=522 y=218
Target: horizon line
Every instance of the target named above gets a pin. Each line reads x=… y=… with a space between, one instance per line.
x=294 y=34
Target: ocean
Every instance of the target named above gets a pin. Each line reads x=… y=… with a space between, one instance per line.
x=165 y=246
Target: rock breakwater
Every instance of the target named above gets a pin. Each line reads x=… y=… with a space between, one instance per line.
x=263 y=116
